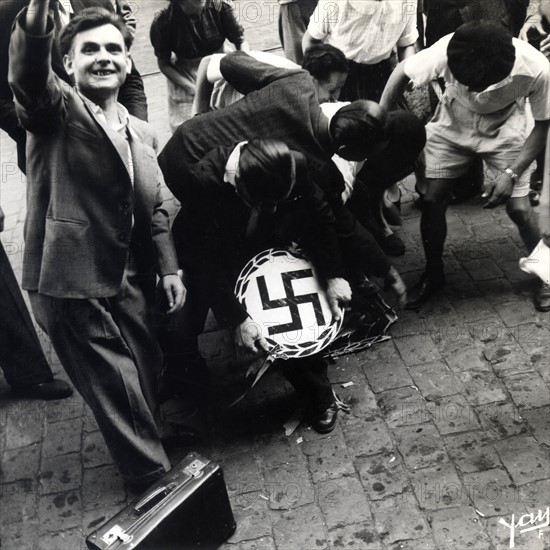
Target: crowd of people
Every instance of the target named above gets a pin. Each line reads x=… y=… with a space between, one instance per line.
x=305 y=149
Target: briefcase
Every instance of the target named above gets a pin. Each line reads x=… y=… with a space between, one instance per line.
x=187 y=509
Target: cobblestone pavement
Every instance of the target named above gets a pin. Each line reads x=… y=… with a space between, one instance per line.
x=447 y=445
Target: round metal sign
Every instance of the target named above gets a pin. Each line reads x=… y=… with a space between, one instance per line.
x=281 y=293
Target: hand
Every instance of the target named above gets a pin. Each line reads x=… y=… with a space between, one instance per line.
x=338 y=291
x=175 y=292
x=498 y=191
x=248 y=335
x=534 y=22
x=1 y=220
x=394 y=281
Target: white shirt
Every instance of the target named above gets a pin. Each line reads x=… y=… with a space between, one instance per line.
x=232 y=164
x=365 y=30
x=530 y=78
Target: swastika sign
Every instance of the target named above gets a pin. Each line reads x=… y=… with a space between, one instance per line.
x=281 y=293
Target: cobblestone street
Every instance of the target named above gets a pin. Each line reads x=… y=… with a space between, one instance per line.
x=447 y=445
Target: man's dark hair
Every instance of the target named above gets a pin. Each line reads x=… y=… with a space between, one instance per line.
x=90 y=18
x=357 y=128
x=321 y=60
x=266 y=173
x=481 y=53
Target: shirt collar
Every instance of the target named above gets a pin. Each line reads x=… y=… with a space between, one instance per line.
x=232 y=164
x=123 y=114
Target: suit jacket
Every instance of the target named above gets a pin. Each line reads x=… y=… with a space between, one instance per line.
x=132 y=95
x=83 y=212
x=210 y=229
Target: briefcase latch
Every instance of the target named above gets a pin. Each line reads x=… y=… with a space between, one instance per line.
x=115 y=533
x=195 y=469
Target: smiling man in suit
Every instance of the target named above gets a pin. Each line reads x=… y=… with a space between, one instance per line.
x=96 y=231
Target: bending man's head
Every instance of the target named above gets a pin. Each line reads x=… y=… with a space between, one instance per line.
x=359 y=130
x=329 y=67
x=266 y=173
x=481 y=53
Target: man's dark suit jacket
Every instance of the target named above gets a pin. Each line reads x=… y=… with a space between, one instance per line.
x=210 y=230
x=131 y=95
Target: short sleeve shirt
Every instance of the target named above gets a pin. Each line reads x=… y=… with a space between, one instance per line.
x=192 y=36
x=529 y=78
x=367 y=35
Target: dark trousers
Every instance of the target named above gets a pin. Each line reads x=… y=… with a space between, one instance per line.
x=21 y=356
x=367 y=81
x=113 y=359
x=186 y=370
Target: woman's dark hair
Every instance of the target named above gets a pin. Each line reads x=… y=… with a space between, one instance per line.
x=321 y=60
x=90 y=18
x=266 y=173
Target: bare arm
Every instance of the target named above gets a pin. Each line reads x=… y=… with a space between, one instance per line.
x=170 y=72
x=405 y=51
x=308 y=41
x=204 y=88
x=394 y=88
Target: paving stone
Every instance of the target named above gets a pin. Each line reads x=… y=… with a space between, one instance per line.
x=482 y=387
x=273 y=450
x=18 y=501
x=501 y=420
x=23 y=428
x=403 y=406
x=241 y=473
x=343 y=502
x=420 y=446
x=518 y=312
x=300 y=528
x=528 y=390
x=61 y=474
x=483 y=269
x=534 y=495
x=533 y=337
x=417 y=349
x=500 y=534
x=453 y=414
x=366 y=436
x=346 y=369
x=438 y=487
x=102 y=487
x=94 y=450
x=358 y=537
x=93 y=518
x=360 y=398
x=263 y=543
x=415 y=544
x=492 y=492
x=435 y=379
x=288 y=486
x=468 y=358
x=473 y=309
x=252 y=518
x=69 y=409
x=20 y=536
x=539 y=422
x=58 y=512
x=398 y=518
x=63 y=437
x=20 y=463
x=382 y=475
x=524 y=459
x=471 y=451
x=496 y=291
x=508 y=359
x=455 y=528
x=66 y=540
x=328 y=459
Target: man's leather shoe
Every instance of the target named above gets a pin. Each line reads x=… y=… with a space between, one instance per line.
x=324 y=423
x=393 y=245
x=542 y=298
x=54 y=389
x=424 y=289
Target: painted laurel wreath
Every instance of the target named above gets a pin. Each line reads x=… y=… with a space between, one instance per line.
x=289 y=350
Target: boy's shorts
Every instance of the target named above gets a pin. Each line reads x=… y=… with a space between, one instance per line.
x=456 y=135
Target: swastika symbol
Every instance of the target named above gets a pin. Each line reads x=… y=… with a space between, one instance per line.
x=291 y=301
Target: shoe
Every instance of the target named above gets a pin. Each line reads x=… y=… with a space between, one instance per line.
x=55 y=389
x=324 y=423
x=424 y=289
x=391 y=209
x=542 y=298
x=393 y=245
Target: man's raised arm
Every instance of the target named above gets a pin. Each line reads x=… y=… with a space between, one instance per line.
x=395 y=87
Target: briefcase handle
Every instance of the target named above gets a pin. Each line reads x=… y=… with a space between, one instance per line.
x=151 y=500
